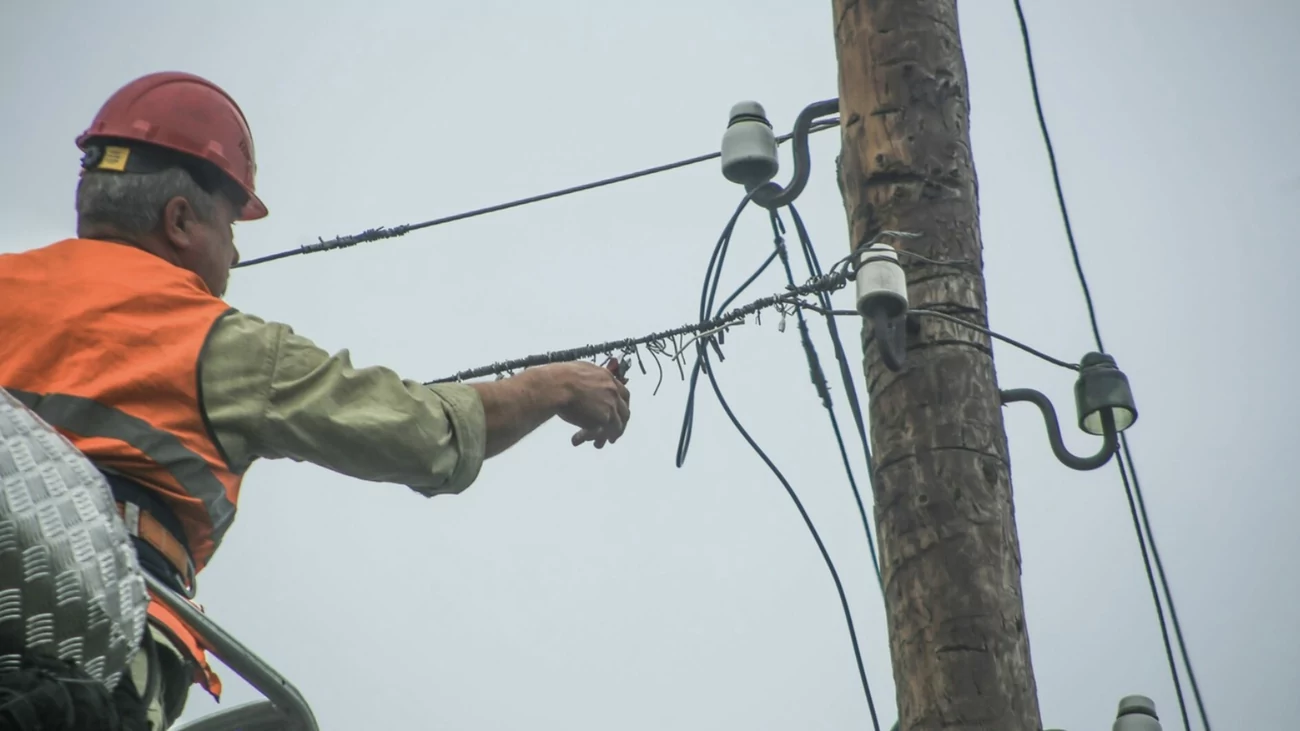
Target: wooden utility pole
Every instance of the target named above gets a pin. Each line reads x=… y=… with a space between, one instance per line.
x=948 y=544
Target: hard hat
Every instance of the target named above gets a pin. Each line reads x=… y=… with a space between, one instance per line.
x=70 y=581
x=187 y=114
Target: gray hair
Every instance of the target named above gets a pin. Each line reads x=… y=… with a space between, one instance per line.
x=131 y=204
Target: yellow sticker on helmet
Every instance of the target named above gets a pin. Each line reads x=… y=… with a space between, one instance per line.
x=115 y=158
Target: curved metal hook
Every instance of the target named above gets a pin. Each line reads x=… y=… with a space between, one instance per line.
x=1110 y=438
x=771 y=195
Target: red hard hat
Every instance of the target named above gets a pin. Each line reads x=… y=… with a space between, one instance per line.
x=187 y=114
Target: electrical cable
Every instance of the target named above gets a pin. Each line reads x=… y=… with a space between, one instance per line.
x=712 y=281
x=819 y=378
x=1056 y=176
x=852 y=261
x=752 y=278
x=1164 y=580
x=812 y=529
x=1135 y=489
x=956 y=320
x=384 y=232
x=996 y=335
x=1151 y=581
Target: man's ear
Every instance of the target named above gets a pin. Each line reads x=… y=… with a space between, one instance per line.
x=178 y=221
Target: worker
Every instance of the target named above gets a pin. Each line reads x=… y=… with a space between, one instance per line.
x=120 y=339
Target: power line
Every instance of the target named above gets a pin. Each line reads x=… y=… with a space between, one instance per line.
x=957 y=321
x=1056 y=177
x=996 y=335
x=384 y=232
x=1135 y=489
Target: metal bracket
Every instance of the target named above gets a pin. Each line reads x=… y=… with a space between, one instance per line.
x=1110 y=437
x=890 y=334
x=771 y=195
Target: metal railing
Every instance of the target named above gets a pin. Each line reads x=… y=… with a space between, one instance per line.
x=284 y=708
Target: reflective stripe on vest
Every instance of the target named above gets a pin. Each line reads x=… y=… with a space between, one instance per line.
x=88 y=418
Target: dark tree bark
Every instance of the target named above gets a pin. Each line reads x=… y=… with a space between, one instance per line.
x=948 y=542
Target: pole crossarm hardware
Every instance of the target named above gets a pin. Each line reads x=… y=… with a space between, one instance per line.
x=749 y=151
x=284 y=709
x=1110 y=437
x=1105 y=407
x=1102 y=394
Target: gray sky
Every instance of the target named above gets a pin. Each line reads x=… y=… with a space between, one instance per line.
x=575 y=589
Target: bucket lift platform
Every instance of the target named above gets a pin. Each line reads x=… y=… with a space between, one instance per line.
x=283 y=707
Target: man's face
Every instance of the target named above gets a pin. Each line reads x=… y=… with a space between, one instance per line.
x=209 y=247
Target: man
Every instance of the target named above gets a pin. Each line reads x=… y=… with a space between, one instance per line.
x=119 y=338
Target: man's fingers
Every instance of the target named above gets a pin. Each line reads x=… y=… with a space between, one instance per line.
x=617 y=411
x=599 y=437
x=614 y=429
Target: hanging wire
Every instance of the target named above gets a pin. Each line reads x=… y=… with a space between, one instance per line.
x=846 y=376
x=812 y=529
x=712 y=282
x=1137 y=504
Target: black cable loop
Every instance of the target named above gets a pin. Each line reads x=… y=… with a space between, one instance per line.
x=703 y=365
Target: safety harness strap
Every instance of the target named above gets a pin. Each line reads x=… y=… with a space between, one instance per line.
x=157 y=533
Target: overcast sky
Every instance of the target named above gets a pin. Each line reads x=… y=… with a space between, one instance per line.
x=584 y=590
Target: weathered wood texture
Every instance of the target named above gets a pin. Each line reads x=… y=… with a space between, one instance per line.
x=947 y=530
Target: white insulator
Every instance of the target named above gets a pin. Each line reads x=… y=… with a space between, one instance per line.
x=881 y=283
x=1137 y=713
x=749 y=146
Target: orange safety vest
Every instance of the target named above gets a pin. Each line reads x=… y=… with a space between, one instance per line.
x=103 y=341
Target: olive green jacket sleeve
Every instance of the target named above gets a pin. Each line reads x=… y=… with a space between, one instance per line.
x=268 y=392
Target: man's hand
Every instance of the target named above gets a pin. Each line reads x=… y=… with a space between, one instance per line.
x=597 y=402
x=584 y=394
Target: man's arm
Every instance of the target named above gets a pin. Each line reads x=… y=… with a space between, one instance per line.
x=268 y=392
x=580 y=393
x=513 y=408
